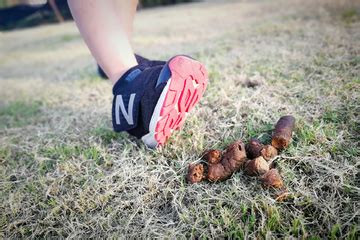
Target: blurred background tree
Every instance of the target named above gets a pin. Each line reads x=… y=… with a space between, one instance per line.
x=28 y=13
x=152 y=3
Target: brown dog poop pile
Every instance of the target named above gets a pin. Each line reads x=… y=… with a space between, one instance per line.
x=254 y=158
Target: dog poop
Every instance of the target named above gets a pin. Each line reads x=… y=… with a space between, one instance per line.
x=255 y=158
x=283 y=196
x=253 y=148
x=195 y=173
x=272 y=179
x=283 y=132
x=258 y=166
x=232 y=160
x=212 y=156
x=269 y=152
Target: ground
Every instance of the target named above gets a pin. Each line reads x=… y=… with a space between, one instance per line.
x=65 y=173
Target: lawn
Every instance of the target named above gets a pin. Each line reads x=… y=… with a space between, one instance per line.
x=65 y=174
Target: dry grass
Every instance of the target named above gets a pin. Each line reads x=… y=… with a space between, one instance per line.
x=64 y=173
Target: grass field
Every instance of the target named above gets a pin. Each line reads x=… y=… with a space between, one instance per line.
x=65 y=174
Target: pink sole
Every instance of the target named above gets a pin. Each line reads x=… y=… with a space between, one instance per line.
x=182 y=95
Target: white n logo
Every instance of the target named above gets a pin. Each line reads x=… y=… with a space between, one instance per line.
x=119 y=103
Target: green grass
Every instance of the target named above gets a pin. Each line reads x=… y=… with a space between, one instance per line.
x=63 y=153
x=350 y=15
x=69 y=38
x=65 y=174
x=18 y=114
x=106 y=134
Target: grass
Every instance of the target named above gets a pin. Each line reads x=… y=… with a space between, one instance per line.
x=18 y=114
x=65 y=174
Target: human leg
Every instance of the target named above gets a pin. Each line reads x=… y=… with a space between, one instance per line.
x=150 y=100
x=106 y=27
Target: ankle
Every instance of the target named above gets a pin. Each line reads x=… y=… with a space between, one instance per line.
x=116 y=75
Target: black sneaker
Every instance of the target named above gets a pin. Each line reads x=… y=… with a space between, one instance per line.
x=151 y=103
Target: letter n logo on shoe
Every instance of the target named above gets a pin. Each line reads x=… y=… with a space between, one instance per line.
x=128 y=114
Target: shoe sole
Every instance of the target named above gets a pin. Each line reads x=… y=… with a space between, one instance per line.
x=182 y=92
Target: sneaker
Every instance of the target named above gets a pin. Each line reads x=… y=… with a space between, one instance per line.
x=143 y=62
x=151 y=103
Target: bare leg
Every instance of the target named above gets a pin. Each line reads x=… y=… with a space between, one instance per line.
x=106 y=27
